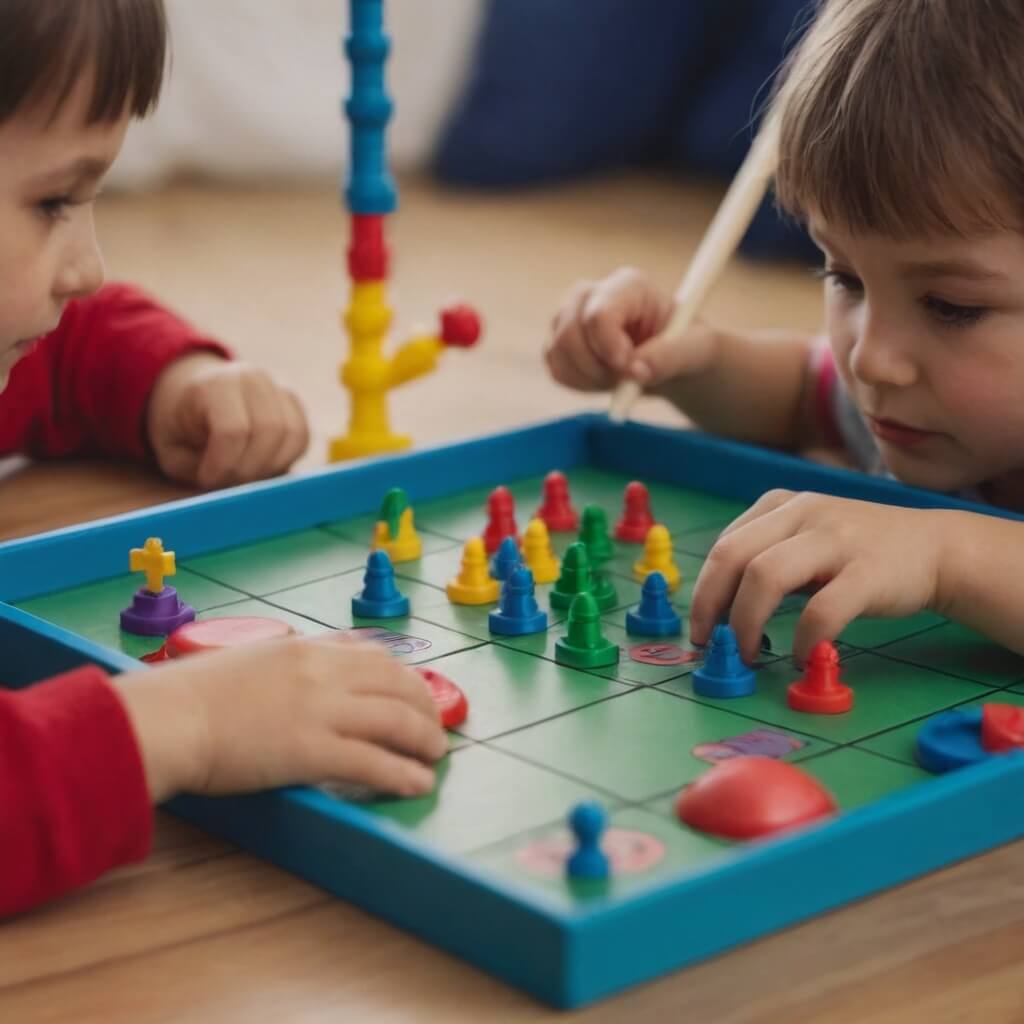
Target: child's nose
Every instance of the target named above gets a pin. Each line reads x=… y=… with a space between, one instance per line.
x=880 y=357
x=82 y=272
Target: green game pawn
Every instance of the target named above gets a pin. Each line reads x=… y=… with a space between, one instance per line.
x=595 y=536
x=574 y=578
x=584 y=646
x=603 y=589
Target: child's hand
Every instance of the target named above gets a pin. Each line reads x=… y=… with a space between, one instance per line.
x=216 y=423
x=301 y=710
x=867 y=559
x=595 y=336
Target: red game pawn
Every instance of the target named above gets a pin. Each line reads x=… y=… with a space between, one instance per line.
x=450 y=700
x=637 y=517
x=820 y=692
x=556 y=506
x=1002 y=727
x=501 y=519
x=748 y=797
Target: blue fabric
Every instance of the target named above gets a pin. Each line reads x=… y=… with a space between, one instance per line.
x=562 y=88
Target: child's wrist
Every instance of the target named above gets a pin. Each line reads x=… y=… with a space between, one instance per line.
x=167 y=729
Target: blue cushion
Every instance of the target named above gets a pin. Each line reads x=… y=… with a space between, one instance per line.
x=562 y=88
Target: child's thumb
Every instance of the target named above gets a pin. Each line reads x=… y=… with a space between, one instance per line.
x=667 y=356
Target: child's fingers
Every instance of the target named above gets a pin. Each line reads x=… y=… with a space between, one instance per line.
x=267 y=417
x=663 y=358
x=832 y=609
x=573 y=364
x=355 y=760
x=768 y=502
x=603 y=322
x=723 y=569
x=228 y=431
x=296 y=434
x=779 y=570
x=390 y=723
x=378 y=673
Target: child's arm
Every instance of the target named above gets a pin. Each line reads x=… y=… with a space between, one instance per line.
x=82 y=757
x=863 y=559
x=122 y=376
x=757 y=387
x=73 y=798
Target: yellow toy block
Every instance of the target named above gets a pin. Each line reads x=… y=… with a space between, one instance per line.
x=537 y=553
x=406 y=547
x=657 y=557
x=474 y=584
x=152 y=560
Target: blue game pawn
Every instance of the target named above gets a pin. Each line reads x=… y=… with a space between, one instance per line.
x=723 y=673
x=588 y=822
x=379 y=598
x=951 y=740
x=517 y=613
x=506 y=559
x=654 y=615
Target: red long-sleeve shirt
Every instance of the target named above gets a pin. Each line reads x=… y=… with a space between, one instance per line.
x=73 y=797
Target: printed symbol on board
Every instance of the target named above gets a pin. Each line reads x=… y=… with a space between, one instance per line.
x=630 y=853
x=396 y=643
x=760 y=742
x=663 y=654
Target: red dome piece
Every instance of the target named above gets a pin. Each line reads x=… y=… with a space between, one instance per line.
x=1002 y=727
x=820 y=692
x=637 y=517
x=460 y=325
x=748 y=797
x=556 y=504
x=450 y=700
x=230 y=631
x=501 y=519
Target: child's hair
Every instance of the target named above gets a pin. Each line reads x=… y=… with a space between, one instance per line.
x=47 y=45
x=906 y=117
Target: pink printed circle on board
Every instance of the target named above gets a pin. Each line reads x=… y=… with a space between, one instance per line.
x=663 y=654
x=629 y=851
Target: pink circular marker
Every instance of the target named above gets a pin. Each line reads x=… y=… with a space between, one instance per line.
x=629 y=851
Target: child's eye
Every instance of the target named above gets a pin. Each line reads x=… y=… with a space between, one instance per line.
x=54 y=207
x=840 y=279
x=951 y=315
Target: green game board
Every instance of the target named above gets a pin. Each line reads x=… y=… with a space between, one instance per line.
x=541 y=737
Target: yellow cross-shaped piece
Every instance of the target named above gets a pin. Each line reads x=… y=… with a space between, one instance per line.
x=154 y=562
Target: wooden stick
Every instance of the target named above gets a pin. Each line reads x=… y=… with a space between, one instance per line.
x=723 y=234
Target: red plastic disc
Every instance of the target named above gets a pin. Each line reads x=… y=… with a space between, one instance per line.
x=747 y=797
x=231 y=631
x=451 y=701
x=1002 y=727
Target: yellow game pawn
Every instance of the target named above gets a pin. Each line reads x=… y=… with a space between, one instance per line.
x=474 y=584
x=657 y=557
x=406 y=547
x=537 y=553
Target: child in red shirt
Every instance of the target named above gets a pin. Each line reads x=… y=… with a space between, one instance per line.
x=85 y=369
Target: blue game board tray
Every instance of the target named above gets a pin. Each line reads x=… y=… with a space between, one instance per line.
x=564 y=953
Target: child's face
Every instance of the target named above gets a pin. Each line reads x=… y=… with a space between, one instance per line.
x=50 y=170
x=929 y=338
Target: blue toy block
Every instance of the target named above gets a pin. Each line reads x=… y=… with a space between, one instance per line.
x=588 y=822
x=517 y=613
x=723 y=673
x=379 y=598
x=654 y=615
x=371 y=188
x=506 y=559
x=951 y=740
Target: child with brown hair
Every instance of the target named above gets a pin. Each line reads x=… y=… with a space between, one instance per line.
x=902 y=148
x=107 y=370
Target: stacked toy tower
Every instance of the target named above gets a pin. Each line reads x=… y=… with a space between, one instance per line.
x=370 y=195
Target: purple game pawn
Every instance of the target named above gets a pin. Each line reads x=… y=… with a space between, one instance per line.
x=156 y=610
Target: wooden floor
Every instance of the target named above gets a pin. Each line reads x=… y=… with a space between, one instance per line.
x=202 y=933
